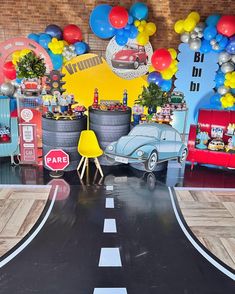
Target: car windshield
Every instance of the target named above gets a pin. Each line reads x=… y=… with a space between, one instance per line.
x=145 y=131
x=131 y=47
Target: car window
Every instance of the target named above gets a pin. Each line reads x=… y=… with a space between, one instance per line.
x=168 y=135
x=177 y=137
x=145 y=131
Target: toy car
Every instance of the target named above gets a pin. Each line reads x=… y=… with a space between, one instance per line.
x=131 y=56
x=148 y=144
x=31 y=86
x=216 y=145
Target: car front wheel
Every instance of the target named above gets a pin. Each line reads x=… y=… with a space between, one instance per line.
x=151 y=163
x=183 y=156
x=136 y=63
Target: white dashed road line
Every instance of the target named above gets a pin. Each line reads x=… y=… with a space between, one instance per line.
x=110 y=257
x=110 y=225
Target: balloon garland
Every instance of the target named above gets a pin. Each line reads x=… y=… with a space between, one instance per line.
x=217 y=34
x=107 y=21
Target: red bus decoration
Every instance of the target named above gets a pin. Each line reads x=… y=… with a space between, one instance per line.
x=56 y=159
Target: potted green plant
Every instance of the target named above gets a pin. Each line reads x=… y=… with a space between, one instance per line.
x=30 y=66
x=152 y=97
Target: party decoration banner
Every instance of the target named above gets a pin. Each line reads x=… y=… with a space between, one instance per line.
x=195 y=78
x=86 y=72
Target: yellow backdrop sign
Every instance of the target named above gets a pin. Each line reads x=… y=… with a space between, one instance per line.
x=86 y=72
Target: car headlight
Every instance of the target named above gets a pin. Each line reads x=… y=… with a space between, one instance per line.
x=140 y=153
x=131 y=58
x=110 y=147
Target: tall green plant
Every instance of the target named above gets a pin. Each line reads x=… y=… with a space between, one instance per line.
x=30 y=66
x=152 y=96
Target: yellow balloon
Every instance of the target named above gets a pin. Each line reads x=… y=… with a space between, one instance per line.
x=179 y=26
x=228 y=76
x=140 y=28
x=195 y=15
x=150 y=28
x=23 y=52
x=232 y=84
x=15 y=57
x=143 y=22
x=226 y=83
x=136 y=23
x=167 y=74
x=189 y=24
x=151 y=69
x=173 y=53
x=142 y=39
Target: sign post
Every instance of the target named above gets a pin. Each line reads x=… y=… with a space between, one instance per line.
x=56 y=160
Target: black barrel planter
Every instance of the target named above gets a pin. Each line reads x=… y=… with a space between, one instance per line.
x=109 y=126
x=63 y=134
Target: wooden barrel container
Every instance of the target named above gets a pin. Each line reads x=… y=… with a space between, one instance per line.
x=63 y=134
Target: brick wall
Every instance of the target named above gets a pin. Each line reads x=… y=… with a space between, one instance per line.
x=21 y=17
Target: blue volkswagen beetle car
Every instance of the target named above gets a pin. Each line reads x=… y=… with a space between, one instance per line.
x=148 y=144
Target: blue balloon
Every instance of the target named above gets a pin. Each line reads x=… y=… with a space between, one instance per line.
x=223 y=42
x=232 y=91
x=166 y=85
x=209 y=33
x=215 y=99
x=44 y=40
x=80 y=48
x=130 y=19
x=219 y=79
x=133 y=32
x=57 y=60
x=205 y=46
x=99 y=22
x=212 y=20
x=87 y=47
x=127 y=33
x=120 y=32
x=127 y=27
x=139 y=11
x=34 y=37
x=121 y=40
x=231 y=46
x=219 y=37
x=155 y=77
x=54 y=31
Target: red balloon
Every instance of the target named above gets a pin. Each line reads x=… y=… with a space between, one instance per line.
x=118 y=17
x=226 y=25
x=9 y=70
x=72 y=34
x=161 y=59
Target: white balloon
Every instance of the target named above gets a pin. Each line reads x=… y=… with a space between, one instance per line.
x=185 y=37
x=224 y=57
x=200 y=35
x=233 y=58
x=193 y=35
x=7 y=89
x=222 y=90
x=213 y=42
x=195 y=44
x=227 y=67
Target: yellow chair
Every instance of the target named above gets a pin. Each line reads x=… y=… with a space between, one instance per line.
x=88 y=147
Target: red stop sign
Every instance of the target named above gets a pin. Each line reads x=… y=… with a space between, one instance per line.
x=56 y=159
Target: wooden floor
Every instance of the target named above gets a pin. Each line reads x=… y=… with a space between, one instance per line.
x=210 y=214
x=20 y=208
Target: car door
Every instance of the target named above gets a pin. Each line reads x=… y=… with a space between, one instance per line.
x=141 y=53
x=178 y=143
x=167 y=145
